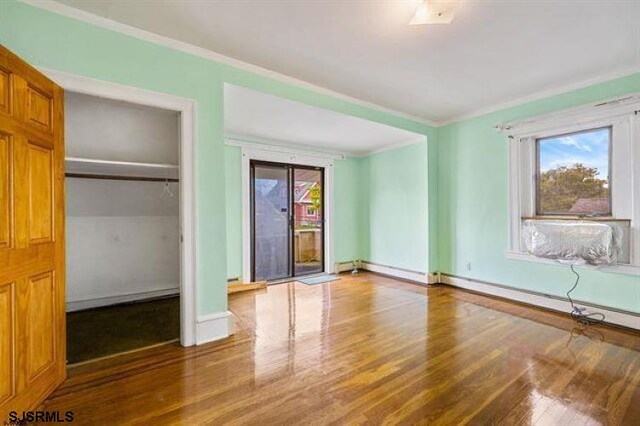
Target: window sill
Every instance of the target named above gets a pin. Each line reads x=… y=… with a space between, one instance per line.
x=614 y=269
x=578 y=218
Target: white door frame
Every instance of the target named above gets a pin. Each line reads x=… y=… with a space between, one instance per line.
x=255 y=151
x=187 y=109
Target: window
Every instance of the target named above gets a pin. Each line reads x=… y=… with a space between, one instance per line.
x=582 y=162
x=311 y=211
x=574 y=174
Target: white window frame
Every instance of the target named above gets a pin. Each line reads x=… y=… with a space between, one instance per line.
x=623 y=116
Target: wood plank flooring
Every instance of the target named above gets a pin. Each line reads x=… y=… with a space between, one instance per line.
x=371 y=350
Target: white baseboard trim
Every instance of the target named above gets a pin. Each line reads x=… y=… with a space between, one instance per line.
x=344 y=267
x=213 y=327
x=555 y=303
x=392 y=271
x=434 y=278
x=79 y=305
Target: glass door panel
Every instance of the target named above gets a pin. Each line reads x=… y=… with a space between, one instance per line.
x=308 y=223
x=271 y=221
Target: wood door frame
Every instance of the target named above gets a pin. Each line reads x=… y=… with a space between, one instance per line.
x=187 y=109
x=253 y=151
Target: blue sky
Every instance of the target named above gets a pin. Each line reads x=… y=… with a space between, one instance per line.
x=590 y=148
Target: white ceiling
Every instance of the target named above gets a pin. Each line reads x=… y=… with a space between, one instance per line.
x=260 y=117
x=493 y=52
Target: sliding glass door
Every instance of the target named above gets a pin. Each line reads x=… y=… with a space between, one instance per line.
x=287 y=220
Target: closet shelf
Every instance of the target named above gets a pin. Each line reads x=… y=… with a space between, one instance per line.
x=89 y=167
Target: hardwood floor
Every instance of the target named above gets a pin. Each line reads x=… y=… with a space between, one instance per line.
x=371 y=350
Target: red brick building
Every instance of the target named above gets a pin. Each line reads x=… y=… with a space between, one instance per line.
x=303 y=203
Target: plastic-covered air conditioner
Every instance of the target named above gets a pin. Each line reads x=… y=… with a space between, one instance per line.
x=575 y=242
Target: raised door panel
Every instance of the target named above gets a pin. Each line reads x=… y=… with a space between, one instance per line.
x=6 y=181
x=5 y=91
x=7 y=341
x=39 y=108
x=40 y=184
x=41 y=323
x=32 y=353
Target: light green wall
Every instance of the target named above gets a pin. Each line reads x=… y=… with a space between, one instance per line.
x=461 y=172
x=53 y=41
x=349 y=209
x=398 y=208
x=380 y=208
x=473 y=209
x=233 y=199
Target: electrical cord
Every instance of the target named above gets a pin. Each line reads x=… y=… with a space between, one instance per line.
x=583 y=330
x=578 y=313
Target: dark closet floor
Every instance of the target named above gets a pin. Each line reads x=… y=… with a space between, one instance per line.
x=109 y=330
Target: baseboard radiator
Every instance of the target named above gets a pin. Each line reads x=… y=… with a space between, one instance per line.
x=614 y=316
x=418 y=277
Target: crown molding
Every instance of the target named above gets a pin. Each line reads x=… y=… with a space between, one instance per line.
x=412 y=141
x=110 y=24
x=274 y=145
x=99 y=21
x=624 y=72
x=255 y=142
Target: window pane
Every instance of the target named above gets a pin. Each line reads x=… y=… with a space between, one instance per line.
x=308 y=221
x=574 y=174
x=271 y=226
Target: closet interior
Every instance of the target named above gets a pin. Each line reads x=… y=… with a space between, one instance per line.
x=122 y=226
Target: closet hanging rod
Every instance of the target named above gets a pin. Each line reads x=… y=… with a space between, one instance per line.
x=120 y=177
x=111 y=163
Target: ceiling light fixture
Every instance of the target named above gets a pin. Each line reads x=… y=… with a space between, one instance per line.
x=434 y=12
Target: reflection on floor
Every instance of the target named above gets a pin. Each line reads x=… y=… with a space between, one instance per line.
x=109 y=330
x=370 y=349
x=306 y=268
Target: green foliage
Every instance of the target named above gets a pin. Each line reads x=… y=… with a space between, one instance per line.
x=316 y=197
x=561 y=187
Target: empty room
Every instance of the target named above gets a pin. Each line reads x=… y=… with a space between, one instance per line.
x=320 y=212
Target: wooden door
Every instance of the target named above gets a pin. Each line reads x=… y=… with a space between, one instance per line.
x=32 y=275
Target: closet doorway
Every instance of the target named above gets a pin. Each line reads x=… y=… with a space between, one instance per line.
x=123 y=226
x=287 y=220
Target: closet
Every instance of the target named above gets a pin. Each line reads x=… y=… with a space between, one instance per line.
x=122 y=226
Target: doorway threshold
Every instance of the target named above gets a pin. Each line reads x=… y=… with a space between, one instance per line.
x=293 y=279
